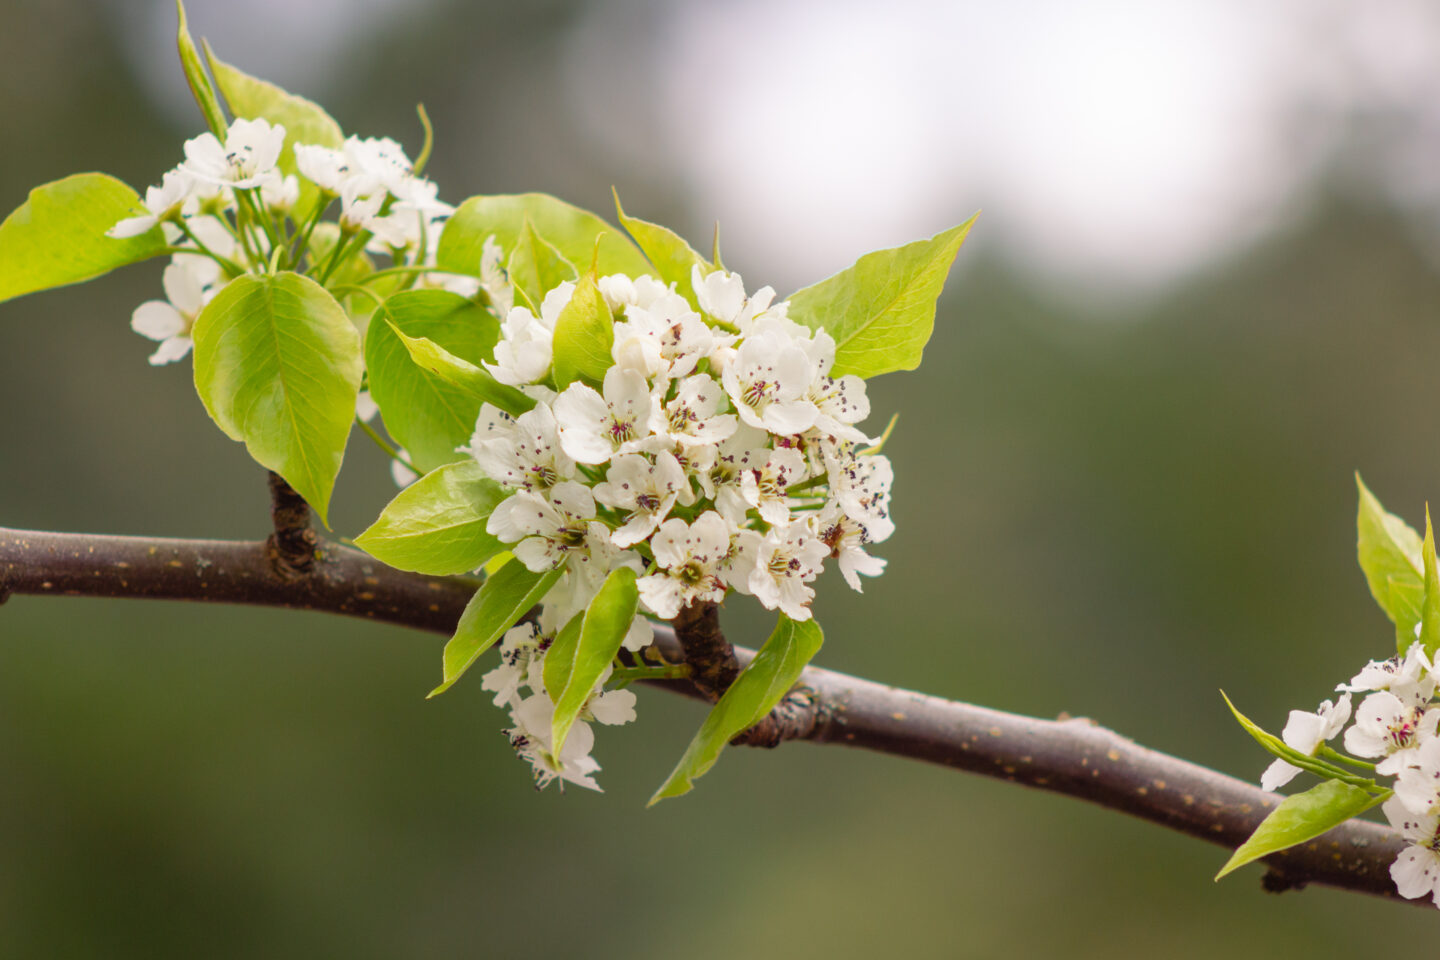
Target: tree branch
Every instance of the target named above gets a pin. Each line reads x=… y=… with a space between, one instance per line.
x=1071 y=756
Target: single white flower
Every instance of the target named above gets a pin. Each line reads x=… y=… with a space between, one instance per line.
x=1386 y=726
x=1305 y=732
x=164 y=202
x=764 y=486
x=552 y=528
x=664 y=340
x=1409 y=679
x=648 y=490
x=786 y=559
x=861 y=485
x=741 y=453
x=721 y=295
x=1416 y=871
x=847 y=539
x=1418 y=785
x=358 y=209
x=169 y=321
x=690 y=419
x=768 y=381
x=594 y=428
x=522 y=645
x=688 y=561
x=531 y=739
x=523 y=354
x=245 y=160
x=524 y=453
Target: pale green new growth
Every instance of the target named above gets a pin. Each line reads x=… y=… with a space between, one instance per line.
x=584 y=333
x=570 y=675
x=569 y=229
x=768 y=677
x=536 y=266
x=496 y=607
x=672 y=257
x=1390 y=554
x=57 y=236
x=278 y=366
x=470 y=379
x=427 y=415
x=436 y=526
x=1303 y=817
x=881 y=311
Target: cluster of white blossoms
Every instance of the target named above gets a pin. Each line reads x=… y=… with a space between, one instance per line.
x=227 y=209
x=718 y=454
x=1395 y=728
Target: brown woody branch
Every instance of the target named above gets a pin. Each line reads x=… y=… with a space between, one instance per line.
x=1071 y=756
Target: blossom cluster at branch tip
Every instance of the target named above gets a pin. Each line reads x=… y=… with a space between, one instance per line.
x=227 y=206
x=716 y=454
x=1394 y=727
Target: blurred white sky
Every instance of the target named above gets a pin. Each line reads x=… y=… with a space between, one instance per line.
x=1116 y=144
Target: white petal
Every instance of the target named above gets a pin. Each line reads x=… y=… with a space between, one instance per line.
x=157 y=320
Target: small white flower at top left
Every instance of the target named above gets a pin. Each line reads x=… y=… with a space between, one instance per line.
x=169 y=321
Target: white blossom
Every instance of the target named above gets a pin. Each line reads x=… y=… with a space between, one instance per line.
x=245 y=160
x=1305 y=732
x=786 y=560
x=1386 y=726
x=721 y=295
x=531 y=739
x=768 y=381
x=164 y=202
x=522 y=645
x=861 y=485
x=690 y=419
x=648 y=490
x=523 y=453
x=764 y=486
x=1409 y=679
x=1418 y=784
x=1416 y=871
x=688 y=559
x=169 y=321
x=557 y=526
x=594 y=428
x=846 y=539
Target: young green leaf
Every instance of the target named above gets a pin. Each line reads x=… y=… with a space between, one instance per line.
x=672 y=256
x=1390 y=556
x=768 y=677
x=536 y=267
x=569 y=679
x=1303 y=817
x=471 y=380
x=200 y=86
x=496 y=607
x=57 y=236
x=436 y=526
x=571 y=230
x=584 y=333
x=277 y=365
x=425 y=414
x=1430 y=606
x=306 y=122
x=881 y=311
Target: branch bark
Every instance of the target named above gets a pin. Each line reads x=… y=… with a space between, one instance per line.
x=1071 y=756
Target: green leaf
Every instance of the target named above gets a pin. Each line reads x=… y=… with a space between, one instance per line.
x=436 y=526
x=584 y=333
x=1430 y=605
x=1390 y=555
x=1303 y=817
x=200 y=86
x=536 y=267
x=768 y=677
x=881 y=311
x=672 y=256
x=57 y=236
x=571 y=230
x=471 y=380
x=304 y=120
x=277 y=364
x=569 y=679
x=428 y=416
x=496 y=607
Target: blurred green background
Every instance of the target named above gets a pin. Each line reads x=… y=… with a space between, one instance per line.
x=1117 y=493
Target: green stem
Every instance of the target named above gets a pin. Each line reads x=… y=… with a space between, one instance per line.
x=230 y=266
x=385 y=445
x=623 y=676
x=321 y=205
x=343 y=250
x=1327 y=751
